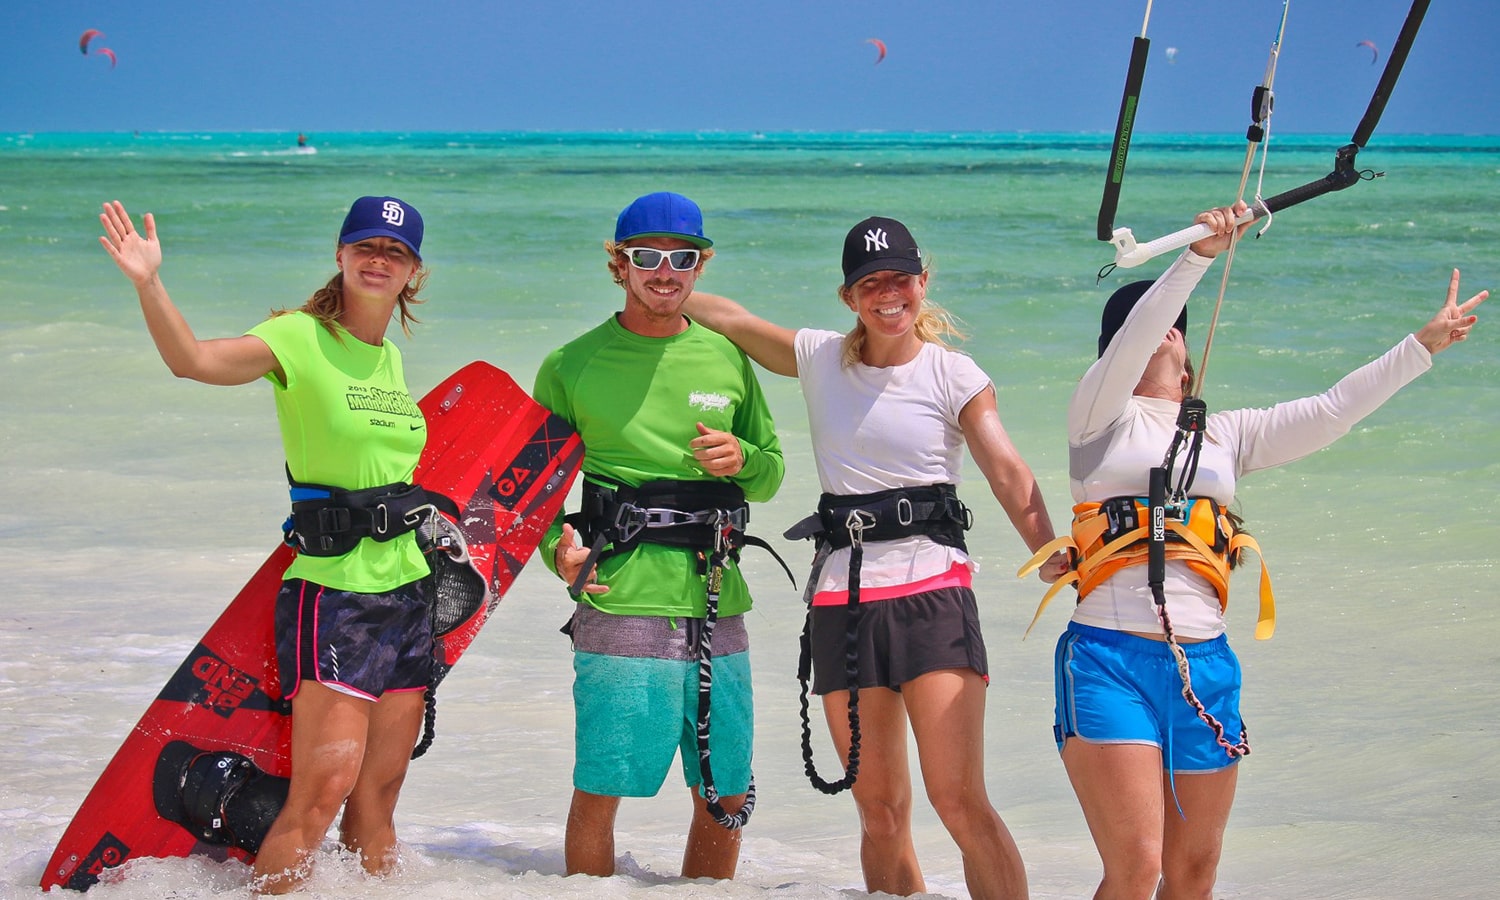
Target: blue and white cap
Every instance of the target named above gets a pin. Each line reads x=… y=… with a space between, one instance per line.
x=383 y=217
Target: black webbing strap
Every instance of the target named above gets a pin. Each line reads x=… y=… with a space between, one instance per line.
x=1124 y=126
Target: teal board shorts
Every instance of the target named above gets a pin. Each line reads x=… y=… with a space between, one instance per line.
x=635 y=712
x=1119 y=688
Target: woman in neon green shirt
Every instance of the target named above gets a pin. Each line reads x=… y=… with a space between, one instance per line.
x=353 y=639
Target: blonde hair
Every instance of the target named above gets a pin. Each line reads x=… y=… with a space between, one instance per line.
x=616 y=249
x=327 y=302
x=934 y=325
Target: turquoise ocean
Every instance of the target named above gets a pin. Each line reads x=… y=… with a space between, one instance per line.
x=137 y=504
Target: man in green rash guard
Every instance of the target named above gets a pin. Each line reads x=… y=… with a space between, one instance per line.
x=673 y=418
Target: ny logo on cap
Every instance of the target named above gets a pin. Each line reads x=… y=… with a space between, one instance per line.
x=875 y=239
x=393 y=212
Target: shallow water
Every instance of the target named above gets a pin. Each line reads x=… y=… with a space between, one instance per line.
x=138 y=504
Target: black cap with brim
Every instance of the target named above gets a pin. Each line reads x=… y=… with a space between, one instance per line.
x=879 y=244
x=1118 y=307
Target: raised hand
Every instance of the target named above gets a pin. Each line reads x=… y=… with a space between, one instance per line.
x=1453 y=321
x=137 y=255
x=1221 y=220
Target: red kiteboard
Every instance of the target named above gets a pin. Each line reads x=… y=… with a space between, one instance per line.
x=501 y=457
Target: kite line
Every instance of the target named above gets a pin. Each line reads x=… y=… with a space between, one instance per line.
x=1129 y=253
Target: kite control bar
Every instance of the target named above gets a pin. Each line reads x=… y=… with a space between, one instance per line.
x=1129 y=253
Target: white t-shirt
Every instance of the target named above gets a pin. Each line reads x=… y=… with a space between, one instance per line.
x=1115 y=438
x=874 y=429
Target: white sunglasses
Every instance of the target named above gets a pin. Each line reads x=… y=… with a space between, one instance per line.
x=649 y=258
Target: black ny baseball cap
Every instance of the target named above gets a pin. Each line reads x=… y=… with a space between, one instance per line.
x=879 y=244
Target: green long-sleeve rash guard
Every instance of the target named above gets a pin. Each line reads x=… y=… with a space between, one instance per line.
x=636 y=402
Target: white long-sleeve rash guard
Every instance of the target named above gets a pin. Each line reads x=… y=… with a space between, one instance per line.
x=1115 y=438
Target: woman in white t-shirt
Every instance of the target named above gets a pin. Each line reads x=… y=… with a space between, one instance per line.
x=893 y=626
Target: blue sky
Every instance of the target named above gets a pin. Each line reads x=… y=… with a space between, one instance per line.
x=569 y=65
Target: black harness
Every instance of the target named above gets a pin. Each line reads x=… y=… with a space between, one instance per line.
x=689 y=514
x=330 y=521
x=848 y=520
x=707 y=517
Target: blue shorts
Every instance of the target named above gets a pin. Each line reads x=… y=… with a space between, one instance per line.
x=1118 y=688
x=634 y=713
x=363 y=645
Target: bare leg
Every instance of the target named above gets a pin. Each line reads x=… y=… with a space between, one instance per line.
x=589 y=846
x=369 y=822
x=713 y=851
x=329 y=732
x=882 y=791
x=1119 y=787
x=947 y=717
x=1190 y=853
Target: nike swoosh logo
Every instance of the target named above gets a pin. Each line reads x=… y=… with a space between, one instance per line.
x=419 y=427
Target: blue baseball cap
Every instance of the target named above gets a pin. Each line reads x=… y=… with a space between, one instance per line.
x=663 y=214
x=383 y=217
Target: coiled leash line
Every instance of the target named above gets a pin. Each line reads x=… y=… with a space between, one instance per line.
x=856 y=523
x=724 y=526
x=1192 y=420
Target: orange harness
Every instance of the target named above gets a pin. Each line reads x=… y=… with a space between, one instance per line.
x=1110 y=536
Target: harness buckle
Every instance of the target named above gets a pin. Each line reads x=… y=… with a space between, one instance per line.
x=1120 y=513
x=722 y=522
x=856 y=522
x=629 y=521
x=334 y=520
x=958 y=511
x=904 y=513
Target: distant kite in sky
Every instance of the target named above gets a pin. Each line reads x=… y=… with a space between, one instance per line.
x=1373 y=50
x=83 y=45
x=1172 y=54
x=880 y=46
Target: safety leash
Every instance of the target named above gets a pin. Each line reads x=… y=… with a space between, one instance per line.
x=856 y=523
x=1191 y=422
x=723 y=531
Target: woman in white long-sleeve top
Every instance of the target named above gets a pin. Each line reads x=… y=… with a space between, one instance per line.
x=1156 y=775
